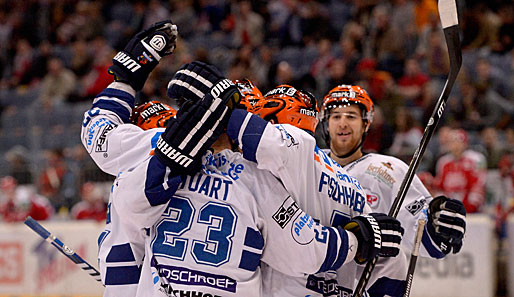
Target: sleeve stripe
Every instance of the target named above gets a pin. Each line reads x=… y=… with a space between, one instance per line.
x=332 y=251
x=343 y=250
x=429 y=245
x=253 y=130
x=115 y=107
x=121 y=102
x=119 y=93
x=243 y=128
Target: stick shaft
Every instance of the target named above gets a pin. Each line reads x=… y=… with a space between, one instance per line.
x=414 y=258
x=64 y=249
x=452 y=35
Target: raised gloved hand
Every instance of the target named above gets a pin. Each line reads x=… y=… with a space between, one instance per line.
x=196 y=127
x=446 y=223
x=378 y=235
x=142 y=54
x=192 y=81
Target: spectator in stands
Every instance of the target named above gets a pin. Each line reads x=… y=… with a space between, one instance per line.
x=491 y=146
x=506 y=164
x=410 y=85
x=92 y=205
x=22 y=62
x=51 y=179
x=18 y=165
x=248 y=25
x=380 y=134
x=461 y=173
x=57 y=85
x=407 y=135
x=16 y=202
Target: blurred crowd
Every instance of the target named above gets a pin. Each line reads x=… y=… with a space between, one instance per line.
x=54 y=56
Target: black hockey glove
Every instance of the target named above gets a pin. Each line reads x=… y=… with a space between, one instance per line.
x=142 y=54
x=446 y=223
x=196 y=127
x=192 y=81
x=378 y=235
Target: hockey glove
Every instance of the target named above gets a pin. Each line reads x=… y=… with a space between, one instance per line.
x=142 y=54
x=446 y=223
x=192 y=81
x=196 y=127
x=378 y=235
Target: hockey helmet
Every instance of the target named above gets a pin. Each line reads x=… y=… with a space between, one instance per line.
x=344 y=95
x=152 y=114
x=286 y=105
x=251 y=94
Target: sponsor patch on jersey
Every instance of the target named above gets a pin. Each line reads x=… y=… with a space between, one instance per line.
x=101 y=141
x=286 y=211
x=327 y=287
x=415 y=206
x=184 y=276
x=372 y=199
x=388 y=165
x=93 y=132
x=302 y=229
x=381 y=174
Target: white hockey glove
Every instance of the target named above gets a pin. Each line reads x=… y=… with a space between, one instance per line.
x=378 y=235
x=142 y=54
x=446 y=223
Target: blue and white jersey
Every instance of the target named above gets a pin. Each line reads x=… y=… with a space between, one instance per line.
x=317 y=183
x=208 y=233
x=381 y=177
x=116 y=145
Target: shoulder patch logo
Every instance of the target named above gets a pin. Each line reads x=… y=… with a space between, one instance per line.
x=286 y=211
x=415 y=206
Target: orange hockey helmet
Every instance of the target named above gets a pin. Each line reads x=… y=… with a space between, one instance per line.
x=286 y=105
x=251 y=94
x=152 y=114
x=345 y=95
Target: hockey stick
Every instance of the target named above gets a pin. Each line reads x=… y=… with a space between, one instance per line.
x=65 y=250
x=414 y=257
x=450 y=24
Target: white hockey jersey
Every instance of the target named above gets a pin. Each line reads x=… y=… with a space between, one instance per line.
x=318 y=184
x=381 y=177
x=210 y=236
x=116 y=145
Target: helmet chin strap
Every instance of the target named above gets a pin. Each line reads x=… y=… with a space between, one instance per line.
x=358 y=146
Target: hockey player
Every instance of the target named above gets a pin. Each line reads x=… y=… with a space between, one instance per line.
x=117 y=136
x=346 y=115
x=208 y=233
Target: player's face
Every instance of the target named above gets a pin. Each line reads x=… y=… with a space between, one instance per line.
x=345 y=126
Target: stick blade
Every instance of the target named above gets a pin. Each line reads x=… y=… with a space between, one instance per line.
x=448 y=13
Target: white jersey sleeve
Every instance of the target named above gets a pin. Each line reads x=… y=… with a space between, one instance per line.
x=107 y=134
x=116 y=145
x=316 y=182
x=211 y=235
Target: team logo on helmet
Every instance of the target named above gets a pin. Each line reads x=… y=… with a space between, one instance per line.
x=344 y=95
x=251 y=94
x=286 y=105
x=153 y=114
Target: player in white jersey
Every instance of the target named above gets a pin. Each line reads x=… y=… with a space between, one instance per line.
x=115 y=144
x=208 y=235
x=347 y=112
x=321 y=187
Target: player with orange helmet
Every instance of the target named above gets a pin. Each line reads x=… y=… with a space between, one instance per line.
x=152 y=114
x=286 y=105
x=346 y=117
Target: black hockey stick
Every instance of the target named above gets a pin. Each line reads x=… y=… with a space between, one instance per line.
x=65 y=250
x=450 y=24
x=414 y=257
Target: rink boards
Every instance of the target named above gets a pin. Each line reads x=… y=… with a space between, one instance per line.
x=31 y=267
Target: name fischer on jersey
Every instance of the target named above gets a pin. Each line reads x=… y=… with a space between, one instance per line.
x=173 y=154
